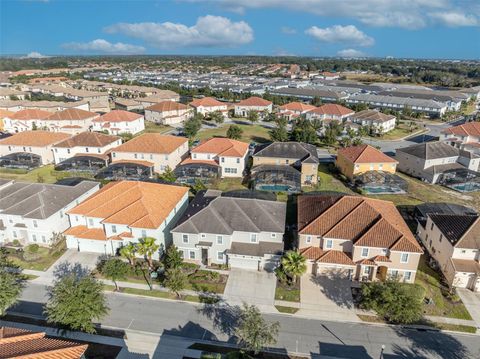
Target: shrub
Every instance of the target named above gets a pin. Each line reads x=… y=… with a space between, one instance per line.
x=16 y=243
x=32 y=248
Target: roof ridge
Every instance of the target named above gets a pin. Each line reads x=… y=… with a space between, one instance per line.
x=244 y=214
x=348 y=214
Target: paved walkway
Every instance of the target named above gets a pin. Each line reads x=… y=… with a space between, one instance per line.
x=453 y=321
x=472 y=302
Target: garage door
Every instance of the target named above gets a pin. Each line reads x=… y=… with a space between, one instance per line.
x=334 y=272
x=244 y=263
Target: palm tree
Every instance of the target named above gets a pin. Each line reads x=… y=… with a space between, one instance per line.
x=129 y=252
x=147 y=247
x=294 y=264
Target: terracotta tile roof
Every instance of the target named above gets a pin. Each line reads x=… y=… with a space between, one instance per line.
x=139 y=162
x=365 y=221
x=336 y=257
x=312 y=253
x=297 y=106
x=254 y=101
x=189 y=161
x=72 y=114
x=88 y=139
x=152 y=143
x=30 y=114
x=364 y=154
x=382 y=259
x=366 y=262
x=86 y=233
x=206 y=102
x=5 y=113
x=222 y=147
x=467 y=129
x=118 y=116
x=18 y=343
x=167 y=106
x=466 y=265
x=136 y=204
x=333 y=110
x=34 y=138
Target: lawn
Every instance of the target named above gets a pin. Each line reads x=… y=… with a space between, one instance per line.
x=399 y=132
x=151 y=127
x=228 y=184
x=327 y=181
x=288 y=310
x=287 y=292
x=161 y=294
x=251 y=133
x=45 y=174
x=46 y=257
x=442 y=306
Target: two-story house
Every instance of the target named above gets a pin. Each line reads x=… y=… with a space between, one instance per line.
x=453 y=240
x=292 y=110
x=254 y=103
x=123 y=212
x=207 y=105
x=378 y=122
x=168 y=113
x=329 y=111
x=356 y=237
x=239 y=232
x=465 y=136
x=118 y=121
x=24 y=120
x=32 y=212
x=70 y=120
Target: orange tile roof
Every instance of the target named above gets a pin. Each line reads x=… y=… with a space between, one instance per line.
x=5 y=113
x=167 y=106
x=254 y=101
x=72 y=114
x=136 y=204
x=88 y=139
x=364 y=154
x=336 y=257
x=222 y=147
x=140 y=162
x=297 y=106
x=118 y=116
x=20 y=343
x=366 y=262
x=312 y=253
x=383 y=259
x=189 y=161
x=30 y=114
x=34 y=138
x=206 y=102
x=365 y=221
x=152 y=143
x=467 y=129
x=86 y=233
x=333 y=110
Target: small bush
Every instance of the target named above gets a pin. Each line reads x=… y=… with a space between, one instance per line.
x=16 y=243
x=32 y=248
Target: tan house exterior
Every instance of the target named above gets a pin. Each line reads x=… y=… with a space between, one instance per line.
x=168 y=113
x=355 y=237
x=253 y=103
x=207 y=105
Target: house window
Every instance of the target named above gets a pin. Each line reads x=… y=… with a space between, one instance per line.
x=364 y=252
x=185 y=238
x=384 y=251
x=44 y=240
x=166 y=157
x=440 y=239
x=220 y=256
x=238 y=160
x=194 y=155
x=144 y=233
x=219 y=239
x=223 y=159
x=393 y=273
x=192 y=255
x=404 y=258
x=35 y=224
x=90 y=222
x=34 y=237
x=203 y=235
x=309 y=239
x=182 y=255
x=407 y=276
x=431 y=227
x=328 y=244
x=273 y=235
x=253 y=237
x=114 y=229
x=14 y=234
x=135 y=155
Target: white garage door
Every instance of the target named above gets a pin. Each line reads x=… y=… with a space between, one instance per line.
x=244 y=263
x=334 y=272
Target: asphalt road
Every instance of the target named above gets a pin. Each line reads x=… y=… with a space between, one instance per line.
x=325 y=338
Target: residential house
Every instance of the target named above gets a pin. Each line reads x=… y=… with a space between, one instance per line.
x=32 y=212
x=435 y=161
x=464 y=136
x=123 y=212
x=10 y=93
x=118 y=121
x=168 y=113
x=24 y=120
x=155 y=150
x=242 y=233
x=206 y=105
x=356 y=237
x=161 y=96
x=85 y=144
x=37 y=144
x=453 y=240
x=330 y=111
x=4 y=114
x=71 y=120
x=292 y=110
x=379 y=122
x=254 y=103
x=127 y=104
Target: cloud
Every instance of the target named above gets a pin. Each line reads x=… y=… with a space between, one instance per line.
x=351 y=53
x=288 y=30
x=34 y=55
x=208 y=31
x=455 y=19
x=103 y=46
x=340 y=34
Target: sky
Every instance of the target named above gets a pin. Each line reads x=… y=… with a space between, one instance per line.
x=438 y=29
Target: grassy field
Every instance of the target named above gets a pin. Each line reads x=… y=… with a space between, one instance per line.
x=399 y=132
x=46 y=258
x=151 y=127
x=328 y=182
x=251 y=133
x=45 y=174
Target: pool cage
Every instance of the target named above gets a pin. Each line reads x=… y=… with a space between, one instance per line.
x=21 y=160
x=380 y=182
x=276 y=178
x=460 y=179
x=191 y=172
x=125 y=171
x=90 y=164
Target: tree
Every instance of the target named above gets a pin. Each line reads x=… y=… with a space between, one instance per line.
x=253 y=116
x=396 y=302
x=303 y=131
x=316 y=101
x=198 y=186
x=75 y=300
x=279 y=132
x=330 y=137
x=128 y=252
x=192 y=126
x=115 y=269
x=217 y=117
x=147 y=247
x=173 y=258
x=175 y=280
x=168 y=175
x=294 y=264
x=253 y=332
x=12 y=282
x=234 y=132
x=357 y=141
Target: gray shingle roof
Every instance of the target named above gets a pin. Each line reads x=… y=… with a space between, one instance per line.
x=38 y=200
x=297 y=150
x=431 y=150
x=456 y=227
x=256 y=249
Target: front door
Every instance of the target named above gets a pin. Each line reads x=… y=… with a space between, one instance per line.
x=205 y=256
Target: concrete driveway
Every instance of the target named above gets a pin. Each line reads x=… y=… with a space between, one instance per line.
x=252 y=287
x=472 y=302
x=323 y=297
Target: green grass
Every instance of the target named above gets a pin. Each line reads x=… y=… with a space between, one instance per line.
x=442 y=306
x=251 y=133
x=287 y=293
x=288 y=310
x=164 y=295
x=151 y=127
x=30 y=276
x=45 y=260
x=228 y=184
x=456 y=328
x=398 y=132
x=45 y=174
x=328 y=182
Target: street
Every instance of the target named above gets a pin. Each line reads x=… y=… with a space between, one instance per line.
x=319 y=338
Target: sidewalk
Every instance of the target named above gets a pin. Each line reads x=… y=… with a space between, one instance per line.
x=453 y=321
